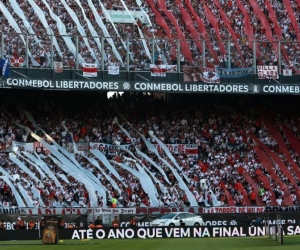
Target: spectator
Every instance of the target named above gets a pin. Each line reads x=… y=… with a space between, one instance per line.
x=98 y=222
x=115 y=222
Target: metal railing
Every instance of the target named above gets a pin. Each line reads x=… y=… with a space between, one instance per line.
x=137 y=54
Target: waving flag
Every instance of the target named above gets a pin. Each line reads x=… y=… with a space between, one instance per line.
x=4 y=67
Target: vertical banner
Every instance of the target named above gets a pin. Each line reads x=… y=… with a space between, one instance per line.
x=50 y=232
x=58 y=67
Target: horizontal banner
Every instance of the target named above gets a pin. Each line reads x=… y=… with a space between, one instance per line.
x=235 y=72
x=109 y=149
x=123 y=16
x=177 y=232
x=34 y=221
x=200 y=74
x=232 y=210
x=64 y=84
x=187 y=87
x=246 y=219
x=148 y=233
x=145 y=221
x=151 y=210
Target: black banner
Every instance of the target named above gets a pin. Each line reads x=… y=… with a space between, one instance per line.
x=151 y=232
x=178 y=232
x=75 y=221
x=221 y=219
x=147 y=86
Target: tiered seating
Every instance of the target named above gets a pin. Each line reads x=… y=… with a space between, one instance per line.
x=216 y=21
x=235 y=165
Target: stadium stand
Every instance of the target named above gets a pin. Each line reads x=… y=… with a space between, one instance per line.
x=245 y=157
x=224 y=25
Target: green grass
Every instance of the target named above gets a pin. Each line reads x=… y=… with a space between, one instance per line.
x=251 y=243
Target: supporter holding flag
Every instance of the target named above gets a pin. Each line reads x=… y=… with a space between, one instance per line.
x=4 y=67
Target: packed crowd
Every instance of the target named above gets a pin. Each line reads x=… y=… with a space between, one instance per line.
x=216 y=21
x=227 y=171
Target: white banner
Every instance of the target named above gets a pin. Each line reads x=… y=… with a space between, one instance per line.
x=287 y=72
x=58 y=67
x=122 y=16
x=161 y=69
x=210 y=75
x=89 y=69
x=267 y=72
x=109 y=149
x=100 y=211
x=189 y=149
x=23 y=146
x=113 y=70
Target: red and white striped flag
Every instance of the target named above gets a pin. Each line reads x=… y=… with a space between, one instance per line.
x=89 y=69
x=162 y=69
x=191 y=149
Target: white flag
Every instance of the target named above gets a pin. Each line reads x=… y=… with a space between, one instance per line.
x=113 y=70
x=287 y=72
x=58 y=67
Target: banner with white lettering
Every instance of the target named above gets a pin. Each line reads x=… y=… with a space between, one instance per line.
x=267 y=72
x=188 y=87
x=200 y=74
x=220 y=219
x=49 y=84
x=177 y=232
x=89 y=69
x=85 y=234
x=113 y=70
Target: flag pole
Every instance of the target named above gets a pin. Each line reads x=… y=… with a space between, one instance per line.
x=2 y=43
x=52 y=53
x=77 y=52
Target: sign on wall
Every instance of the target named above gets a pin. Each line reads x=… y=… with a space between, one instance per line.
x=148 y=86
x=122 y=16
x=267 y=72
